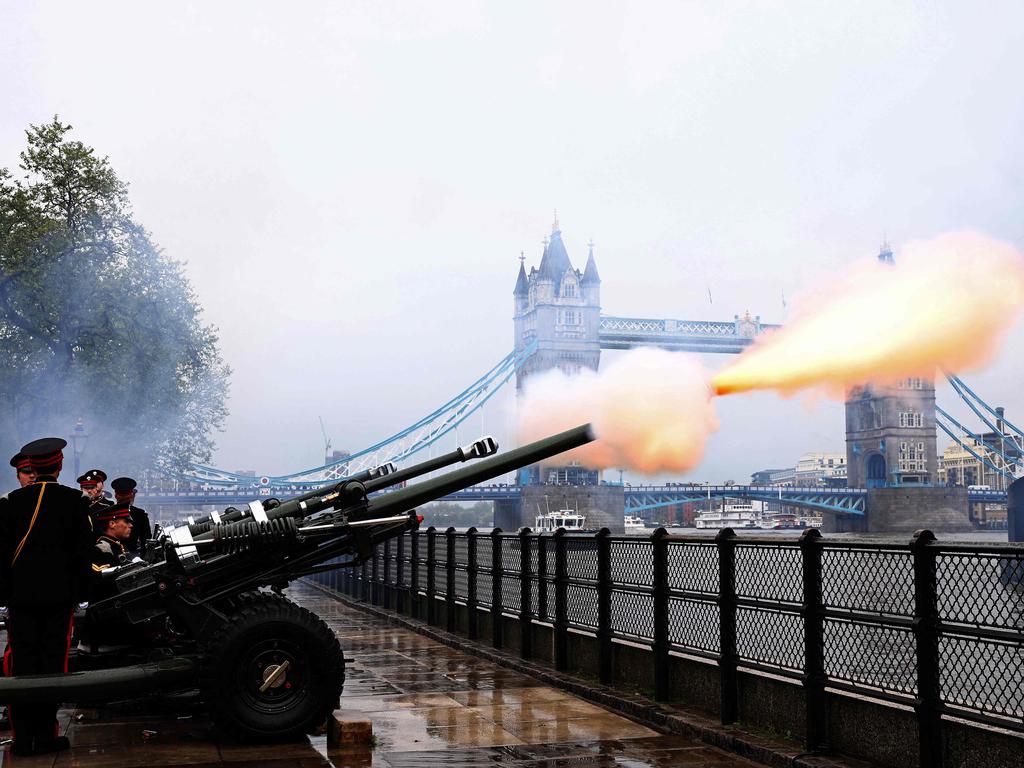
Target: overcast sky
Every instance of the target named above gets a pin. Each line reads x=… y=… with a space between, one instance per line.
x=351 y=183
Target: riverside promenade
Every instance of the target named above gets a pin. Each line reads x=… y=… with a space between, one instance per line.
x=429 y=704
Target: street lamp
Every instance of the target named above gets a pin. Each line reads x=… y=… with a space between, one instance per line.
x=78 y=438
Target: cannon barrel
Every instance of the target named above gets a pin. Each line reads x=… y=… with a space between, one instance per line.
x=485 y=446
x=201 y=525
x=351 y=496
x=405 y=499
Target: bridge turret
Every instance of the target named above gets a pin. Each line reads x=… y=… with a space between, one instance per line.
x=591 y=280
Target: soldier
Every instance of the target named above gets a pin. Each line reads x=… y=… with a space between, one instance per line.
x=91 y=484
x=45 y=551
x=116 y=523
x=26 y=475
x=124 y=493
x=24 y=470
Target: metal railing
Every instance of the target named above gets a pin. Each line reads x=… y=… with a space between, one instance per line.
x=935 y=626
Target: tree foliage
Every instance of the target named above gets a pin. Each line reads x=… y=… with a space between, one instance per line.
x=96 y=321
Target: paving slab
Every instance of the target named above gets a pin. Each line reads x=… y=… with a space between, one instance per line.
x=430 y=705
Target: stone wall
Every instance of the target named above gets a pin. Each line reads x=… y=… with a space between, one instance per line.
x=906 y=509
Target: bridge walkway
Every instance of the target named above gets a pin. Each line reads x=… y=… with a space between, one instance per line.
x=430 y=705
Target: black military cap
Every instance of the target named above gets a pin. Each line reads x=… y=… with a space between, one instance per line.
x=115 y=511
x=45 y=452
x=92 y=477
x=21 y=461
x=123 y=484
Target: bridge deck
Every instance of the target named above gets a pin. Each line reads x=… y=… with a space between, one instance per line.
x=429 y=704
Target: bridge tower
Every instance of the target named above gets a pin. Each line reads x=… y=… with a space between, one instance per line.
x=890 y=430
x=559 y=307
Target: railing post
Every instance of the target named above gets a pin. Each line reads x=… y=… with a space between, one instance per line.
x=414 y=575
x=525 y=614
x=561 y=605
x=928 y=705
x=471 y=571
x=542 y=573
x=727 y=657
x=386 y=582
x=364 y=581
x=400 y=594
x=431 y=574
x=449 y=585
x=375 y=576
x=814 y=678
x=604 y=606
x=496 y=577
x=659 y=545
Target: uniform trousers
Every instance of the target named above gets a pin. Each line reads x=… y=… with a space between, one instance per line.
x=38 y=641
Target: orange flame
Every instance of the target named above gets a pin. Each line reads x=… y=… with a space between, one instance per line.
x=947 y=303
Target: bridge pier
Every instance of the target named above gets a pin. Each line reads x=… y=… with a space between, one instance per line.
x=508 y=514
x=905 y=510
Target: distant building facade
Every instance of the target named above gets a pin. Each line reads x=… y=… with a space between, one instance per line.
x=783 y=478
x=977 y=466
x=820 y=470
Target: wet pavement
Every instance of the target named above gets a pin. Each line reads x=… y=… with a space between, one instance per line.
x=430 y=705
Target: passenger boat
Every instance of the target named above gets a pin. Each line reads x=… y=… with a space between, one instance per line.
x=634 y=524
x=568 y=518
x=734 y=515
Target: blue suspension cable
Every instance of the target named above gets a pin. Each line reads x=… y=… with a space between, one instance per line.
x=960 y=388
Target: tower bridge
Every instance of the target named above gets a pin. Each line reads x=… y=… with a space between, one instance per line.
x=558 y=323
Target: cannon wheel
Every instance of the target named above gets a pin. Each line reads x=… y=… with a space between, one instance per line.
x=245 y=656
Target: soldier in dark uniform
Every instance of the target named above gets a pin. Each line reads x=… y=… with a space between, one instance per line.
x=91 y=484
x=23 y=467
x=116 y=522
x=124 y=493
x=25 y=473
x=45 y=550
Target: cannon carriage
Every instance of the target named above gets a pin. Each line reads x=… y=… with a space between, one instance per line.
x=205 y=610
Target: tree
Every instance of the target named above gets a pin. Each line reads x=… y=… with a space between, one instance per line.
x=96 y=321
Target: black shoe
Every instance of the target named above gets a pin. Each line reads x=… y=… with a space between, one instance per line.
x=22 y=747
x=56 y=744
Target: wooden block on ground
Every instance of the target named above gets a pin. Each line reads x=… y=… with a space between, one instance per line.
x=345 y=731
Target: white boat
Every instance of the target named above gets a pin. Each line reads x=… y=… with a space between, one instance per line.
x=734 y=515
x=634 y=524
x=568 y=518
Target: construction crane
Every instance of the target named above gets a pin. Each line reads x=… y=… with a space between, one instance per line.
x=327 y=440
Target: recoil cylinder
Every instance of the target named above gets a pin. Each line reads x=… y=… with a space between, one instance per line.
x=250 y=536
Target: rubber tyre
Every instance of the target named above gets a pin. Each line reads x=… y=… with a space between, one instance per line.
x=267 y=630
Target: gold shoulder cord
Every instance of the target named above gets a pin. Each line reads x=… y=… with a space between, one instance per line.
x=35 y=514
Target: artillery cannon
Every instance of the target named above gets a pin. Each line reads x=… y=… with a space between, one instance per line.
x=206 y=611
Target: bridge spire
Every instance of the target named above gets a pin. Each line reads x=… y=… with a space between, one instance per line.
x=554 y=225
x=885 y=253
x=522 y=284
x=590 y=271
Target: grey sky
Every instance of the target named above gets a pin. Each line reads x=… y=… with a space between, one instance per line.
x=351 y=183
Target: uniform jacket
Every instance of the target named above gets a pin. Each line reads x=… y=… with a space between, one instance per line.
x=53 y=564
x=108 y=552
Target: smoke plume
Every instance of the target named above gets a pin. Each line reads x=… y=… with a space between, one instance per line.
x=651 y=411
x=946 y=303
